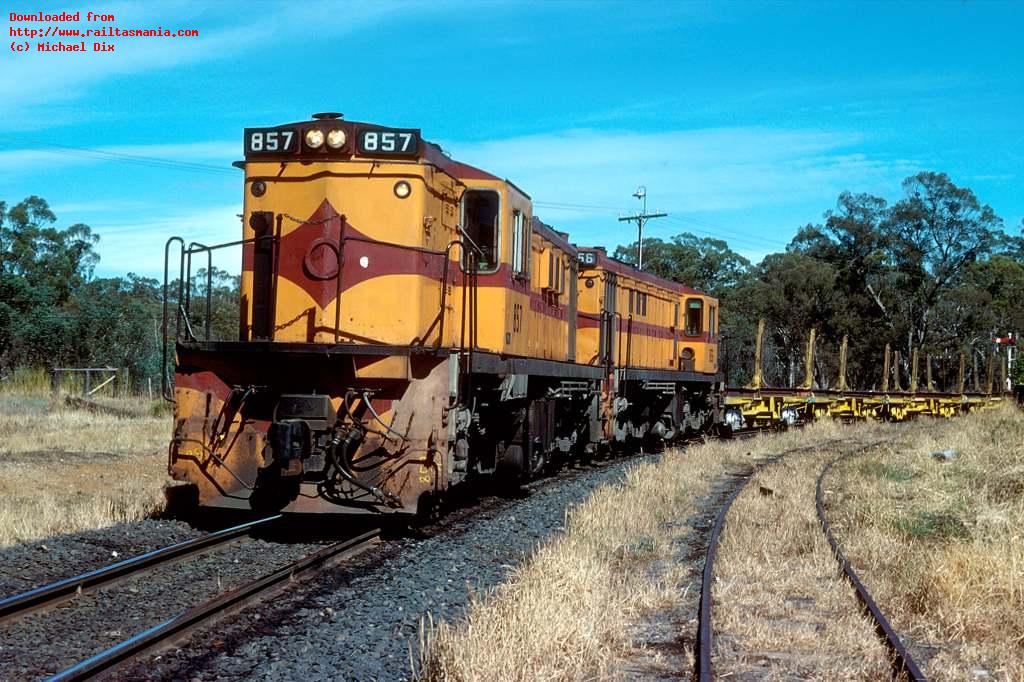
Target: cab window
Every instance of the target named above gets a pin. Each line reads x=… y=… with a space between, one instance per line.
x=711 y=320
x=520 y=244
x=694 y=316
x=481 y=213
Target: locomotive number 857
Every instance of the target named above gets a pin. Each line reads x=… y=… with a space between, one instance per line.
x=407 y=324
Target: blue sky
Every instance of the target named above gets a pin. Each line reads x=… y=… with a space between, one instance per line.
x=743 y=120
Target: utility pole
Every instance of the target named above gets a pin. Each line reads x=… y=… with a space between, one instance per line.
x=642 y=217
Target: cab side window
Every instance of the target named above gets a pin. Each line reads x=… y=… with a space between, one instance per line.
x=520 y=244
x=694 y=316
x=481 y=217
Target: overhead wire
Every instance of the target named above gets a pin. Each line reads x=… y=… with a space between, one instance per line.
x=132 y=159
x=692 y=224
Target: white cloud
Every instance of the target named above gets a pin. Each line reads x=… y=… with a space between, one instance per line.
x=131 y=246
x=706 y=173
x=774 y=180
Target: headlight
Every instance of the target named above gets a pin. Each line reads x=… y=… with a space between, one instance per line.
x=402 y=189
x=336 y=139
x=314 y=138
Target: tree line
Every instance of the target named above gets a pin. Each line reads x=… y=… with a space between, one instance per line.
x=55 y=313
x=935 y=271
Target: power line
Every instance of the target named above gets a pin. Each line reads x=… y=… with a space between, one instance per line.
x=749 y=241
x=121 y=157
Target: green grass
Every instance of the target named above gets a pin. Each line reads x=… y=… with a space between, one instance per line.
x=890 y=472
x=924 y=525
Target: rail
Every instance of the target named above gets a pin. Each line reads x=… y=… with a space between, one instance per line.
x=705 y=631
x=901 y=660
x=179 y=625
x=49 y=595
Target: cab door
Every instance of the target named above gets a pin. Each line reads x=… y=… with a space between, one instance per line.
x=609 y=335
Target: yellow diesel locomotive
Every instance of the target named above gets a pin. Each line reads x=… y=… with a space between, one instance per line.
x=406 y=324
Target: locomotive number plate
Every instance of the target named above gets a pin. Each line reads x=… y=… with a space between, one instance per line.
x=388 y=142
x=270 y=141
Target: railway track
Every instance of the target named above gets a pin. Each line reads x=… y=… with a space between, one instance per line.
x=48 y=596
x=903 y=666
x=186 y=621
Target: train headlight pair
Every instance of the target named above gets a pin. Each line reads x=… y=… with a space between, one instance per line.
x=335 y=138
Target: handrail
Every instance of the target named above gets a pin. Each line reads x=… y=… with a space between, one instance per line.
x=470 y=326
x=444 y=288
x=184 y=296
x=164 y=387
x=629 y=341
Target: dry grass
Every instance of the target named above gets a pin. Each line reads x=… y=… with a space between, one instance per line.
x=65 y=470
x=940 y=545
x=782 y=608
x=571 y=610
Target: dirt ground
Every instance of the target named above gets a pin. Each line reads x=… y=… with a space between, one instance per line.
x=66 y=470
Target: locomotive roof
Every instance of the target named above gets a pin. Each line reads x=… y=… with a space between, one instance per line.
x=627 y=270
x=559 y=239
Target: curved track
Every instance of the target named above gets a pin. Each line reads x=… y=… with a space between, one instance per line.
x=705 y=632
x=179 y=625
x=902 y=662
x=47 y=596
x=903 y=666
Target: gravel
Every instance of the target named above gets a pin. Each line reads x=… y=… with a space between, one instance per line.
x=46 y=642
x=31 y=564
x=360 y=620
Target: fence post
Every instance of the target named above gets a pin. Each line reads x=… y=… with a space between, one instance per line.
x=55 y=382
